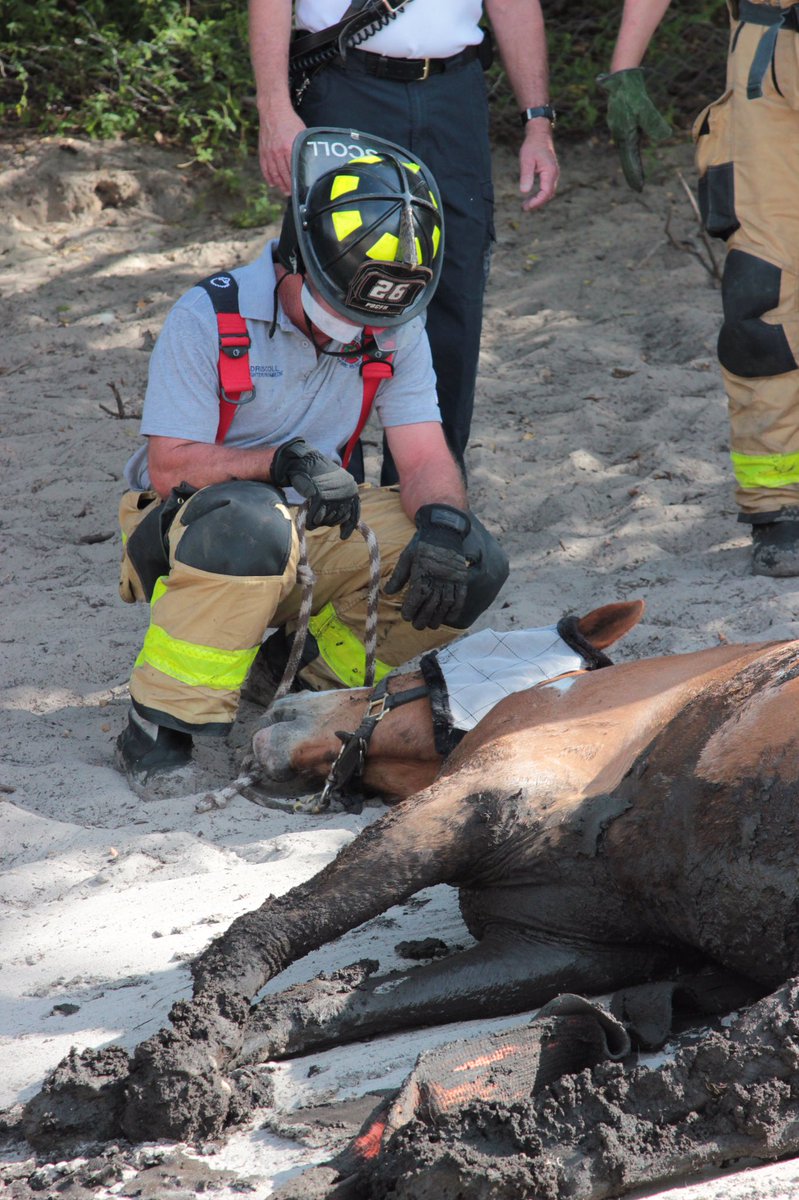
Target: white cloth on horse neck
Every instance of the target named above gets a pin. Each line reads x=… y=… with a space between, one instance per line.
x=483 y=668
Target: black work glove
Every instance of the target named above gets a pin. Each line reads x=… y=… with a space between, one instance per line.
x=331 y=492
x=436 y=565
x=631 y=113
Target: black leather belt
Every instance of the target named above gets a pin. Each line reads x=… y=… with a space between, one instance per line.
x=403 y=70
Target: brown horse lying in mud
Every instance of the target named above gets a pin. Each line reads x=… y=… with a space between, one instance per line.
x=605 y=829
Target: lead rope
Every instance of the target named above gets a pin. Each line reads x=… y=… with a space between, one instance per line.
x=249 y=773
x=306 y=577
x=373 y=599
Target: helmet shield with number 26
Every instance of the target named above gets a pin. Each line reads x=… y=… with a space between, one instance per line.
x=368 y=225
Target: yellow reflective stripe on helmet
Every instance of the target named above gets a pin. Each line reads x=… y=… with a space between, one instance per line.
x=365 y=158
x=341 y=650
x=343 y=184
x=436 y=239
x=412 y=166
x=203 y=666
x=766 y=470
x=385 y=248
x=346 y=222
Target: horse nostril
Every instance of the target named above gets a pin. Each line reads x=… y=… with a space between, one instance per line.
x=281 y=711
x=272 y=750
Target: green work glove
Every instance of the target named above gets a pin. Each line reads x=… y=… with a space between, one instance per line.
x=631 y=113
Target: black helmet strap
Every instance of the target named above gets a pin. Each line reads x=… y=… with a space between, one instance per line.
x=288 y=248
x=273 y=322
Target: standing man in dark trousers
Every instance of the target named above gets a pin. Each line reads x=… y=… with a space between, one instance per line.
x=419 y=81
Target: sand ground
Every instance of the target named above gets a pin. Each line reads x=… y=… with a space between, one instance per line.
x=599 y=456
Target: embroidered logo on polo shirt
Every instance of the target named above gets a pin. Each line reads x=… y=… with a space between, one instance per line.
x=265 y=371
x=351 y=354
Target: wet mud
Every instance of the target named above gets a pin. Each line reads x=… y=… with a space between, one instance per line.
x=600 y=1132
x=181 y=1084
x=605 y=1131
x=146 y=1173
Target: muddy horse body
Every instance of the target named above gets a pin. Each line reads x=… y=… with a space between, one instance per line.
x=602 y=830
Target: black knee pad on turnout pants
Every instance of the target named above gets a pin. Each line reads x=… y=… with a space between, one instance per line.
x=749 y=346
x=240 y=527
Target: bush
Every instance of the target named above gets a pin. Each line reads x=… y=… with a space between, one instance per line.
x=178 y=71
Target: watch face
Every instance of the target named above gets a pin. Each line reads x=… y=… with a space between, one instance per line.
x=544 y=110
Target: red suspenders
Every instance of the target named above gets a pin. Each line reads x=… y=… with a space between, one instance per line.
x=376 y=365
x=235 y=381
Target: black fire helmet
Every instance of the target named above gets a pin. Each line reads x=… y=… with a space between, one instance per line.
x=364 y=224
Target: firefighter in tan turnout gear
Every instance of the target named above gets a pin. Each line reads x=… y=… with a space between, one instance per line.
x=747 y=153
x=258 y=386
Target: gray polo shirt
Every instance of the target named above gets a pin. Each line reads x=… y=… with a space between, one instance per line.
x=297 y=393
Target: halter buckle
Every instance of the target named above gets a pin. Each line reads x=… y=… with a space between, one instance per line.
x=377 y=708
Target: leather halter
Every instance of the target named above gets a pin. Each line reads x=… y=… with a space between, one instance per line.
x=350 y=761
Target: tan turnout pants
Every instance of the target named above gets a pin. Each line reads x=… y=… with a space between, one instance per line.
x=747 y=152
x=205 y=629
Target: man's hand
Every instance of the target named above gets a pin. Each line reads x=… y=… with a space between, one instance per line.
x=331 y=492
x=631 y=113
x=275 y=138
x=434 y=566
x=537 y=160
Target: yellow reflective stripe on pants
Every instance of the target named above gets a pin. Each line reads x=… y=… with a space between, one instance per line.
x=204 y=666
x=765 y=470
x=341 y=650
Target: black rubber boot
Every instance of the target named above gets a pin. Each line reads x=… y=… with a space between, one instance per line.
x=153 y=757
x=775 y=548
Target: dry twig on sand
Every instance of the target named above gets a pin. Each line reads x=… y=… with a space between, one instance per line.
x=121 y=414
x=706 y=256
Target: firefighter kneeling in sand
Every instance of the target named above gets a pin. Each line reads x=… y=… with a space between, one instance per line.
x=258 y=385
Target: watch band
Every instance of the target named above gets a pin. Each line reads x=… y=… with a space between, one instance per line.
x=446 y=516
x=543 y=110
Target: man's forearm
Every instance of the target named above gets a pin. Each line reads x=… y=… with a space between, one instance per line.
x=439 y=484
x=639 y=20
x=518 y=27
x=270 y=33
x=172 y=462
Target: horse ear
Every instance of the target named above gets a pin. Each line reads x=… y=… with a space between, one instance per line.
x=604 y=626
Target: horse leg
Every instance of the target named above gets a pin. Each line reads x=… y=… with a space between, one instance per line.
x=176 y=1086
x=508 y=971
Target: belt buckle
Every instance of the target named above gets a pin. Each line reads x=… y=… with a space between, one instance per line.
x=426 y=69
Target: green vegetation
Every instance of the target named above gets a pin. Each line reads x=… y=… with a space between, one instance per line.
x=178 y=72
